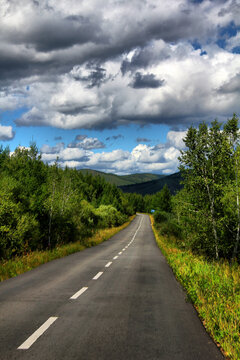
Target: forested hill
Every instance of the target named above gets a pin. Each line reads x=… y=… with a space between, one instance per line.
x=151 y=187
x=123 y=179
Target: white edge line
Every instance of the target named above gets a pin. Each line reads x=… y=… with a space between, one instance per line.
x=26 y=345
x=98 y=275
x=108 y=264
x=80 y=292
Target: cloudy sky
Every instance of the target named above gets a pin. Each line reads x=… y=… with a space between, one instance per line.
x=113 y=85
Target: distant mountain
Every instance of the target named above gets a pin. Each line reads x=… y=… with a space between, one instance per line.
x=151 y=187
x=124 y=180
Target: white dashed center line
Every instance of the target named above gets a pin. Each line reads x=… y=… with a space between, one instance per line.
x=120 y=253
x=98 y=275
x=115 y=257
x=108 y=264
x=80 y=292
x=28 y=343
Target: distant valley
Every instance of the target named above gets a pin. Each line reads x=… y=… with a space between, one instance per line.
x=140 y=183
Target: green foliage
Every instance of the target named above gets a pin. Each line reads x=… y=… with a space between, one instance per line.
x=161 y=216
x=167 y=224
x=207 y=209
x=162 y=200
x=109 y=216
x=44 y=206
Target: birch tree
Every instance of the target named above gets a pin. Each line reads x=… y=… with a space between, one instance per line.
x=204 y=166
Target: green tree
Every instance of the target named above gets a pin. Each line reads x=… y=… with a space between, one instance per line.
x=162 y=200
x=205 y=168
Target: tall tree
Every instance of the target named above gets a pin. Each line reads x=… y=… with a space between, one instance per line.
x=204 y=165
x=231 y=128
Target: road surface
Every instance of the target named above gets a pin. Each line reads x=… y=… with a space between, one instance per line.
x=118 y=300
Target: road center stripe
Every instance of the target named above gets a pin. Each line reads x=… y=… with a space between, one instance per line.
x=115 y=257
x=26 y=345
x=108 y=264
x=98 y=275
x=80 y=292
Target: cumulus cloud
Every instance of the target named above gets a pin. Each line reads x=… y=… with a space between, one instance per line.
x=46 y=149
x=87 y=143
x=78 y=59
x=6 y=133
x=175 y=138
x=231 y=86
x=161 y=158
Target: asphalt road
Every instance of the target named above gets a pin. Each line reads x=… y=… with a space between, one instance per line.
x=118 y=300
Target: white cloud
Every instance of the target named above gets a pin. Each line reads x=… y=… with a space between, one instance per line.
x=98 y=66
x=87 y=143
x=175 y=138
x=162 y=158
x=188 y=94
x=6 y=133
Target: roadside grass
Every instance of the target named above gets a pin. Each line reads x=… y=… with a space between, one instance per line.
x=213 y=288
x=19 y=265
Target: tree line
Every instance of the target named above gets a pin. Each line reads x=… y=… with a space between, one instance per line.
x=205 y=214
x=45 y=206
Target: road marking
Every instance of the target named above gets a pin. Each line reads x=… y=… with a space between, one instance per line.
x=98 y=275
x=120 y=253
x=26 y=345
x=115 y=257
x=108 y=264
x=137 y=229
x=80 y=292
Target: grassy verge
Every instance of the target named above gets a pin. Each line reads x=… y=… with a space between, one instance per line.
x=213 y=288
x=29 y=261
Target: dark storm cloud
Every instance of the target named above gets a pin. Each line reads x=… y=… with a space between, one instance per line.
x=79 y=61
x=142 y=81
x=48 y=33
x=96 y=76
x=54 y=35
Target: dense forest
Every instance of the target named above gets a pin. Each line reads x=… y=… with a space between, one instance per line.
x=205 y=214
x=43 y=206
